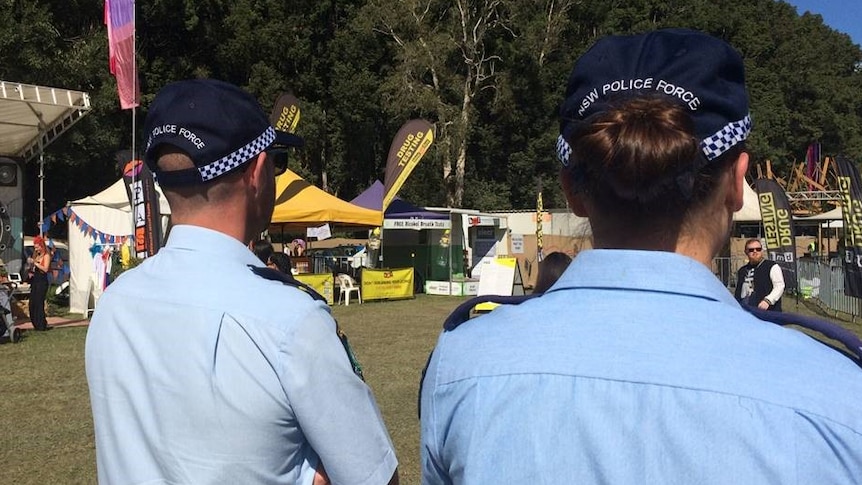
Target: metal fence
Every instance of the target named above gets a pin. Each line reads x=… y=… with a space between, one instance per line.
x=725 y=269
x=818 y=280
x=825 y=283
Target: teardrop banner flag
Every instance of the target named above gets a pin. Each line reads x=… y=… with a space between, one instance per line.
x=408 y=147
x=146 y=214
x=778 y=228
x=285 y=113
x=850 y=185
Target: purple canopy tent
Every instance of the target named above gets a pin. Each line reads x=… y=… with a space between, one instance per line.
x=372 y=198
x=431 y=253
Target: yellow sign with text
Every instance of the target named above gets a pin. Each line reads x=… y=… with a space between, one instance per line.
x=387 y=284
x=322 y=283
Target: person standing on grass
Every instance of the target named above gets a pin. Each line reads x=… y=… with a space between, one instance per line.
x=203 y=367
x=39 y=284
x=760 y=282
x=638 y=366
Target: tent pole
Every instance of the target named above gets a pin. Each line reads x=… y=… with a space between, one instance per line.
x=134 y=153
x=452 y=241
x=41 y=188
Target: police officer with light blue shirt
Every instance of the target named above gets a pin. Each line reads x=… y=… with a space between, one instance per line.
x=200 y=369
x=637 y=365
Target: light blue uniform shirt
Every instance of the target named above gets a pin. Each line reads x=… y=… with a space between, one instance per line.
x=202 y=372
x=637 y=367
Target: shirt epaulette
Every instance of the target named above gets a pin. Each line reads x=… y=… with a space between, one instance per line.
x=828 y=329
x=462 y=313
x=289 y=280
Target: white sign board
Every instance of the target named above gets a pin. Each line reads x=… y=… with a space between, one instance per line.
x=321 y=233
x=497 y=277
x=416 y=224
x=517 y=243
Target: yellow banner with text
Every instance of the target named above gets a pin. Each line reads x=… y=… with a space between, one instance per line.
x=385 y=284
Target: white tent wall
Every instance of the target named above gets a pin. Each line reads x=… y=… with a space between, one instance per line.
x=750 y=211
x=108 y=212
x=82 y=277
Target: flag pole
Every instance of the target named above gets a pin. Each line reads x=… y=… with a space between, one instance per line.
x=540 y=209
x=136 y=86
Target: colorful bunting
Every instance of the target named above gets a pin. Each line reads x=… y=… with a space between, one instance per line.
x=68 y=213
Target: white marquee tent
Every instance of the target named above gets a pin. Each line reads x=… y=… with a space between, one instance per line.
x=107 y=212
x=750 y=211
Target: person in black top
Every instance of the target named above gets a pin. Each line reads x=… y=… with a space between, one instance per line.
x=39 y=284
x=760 y=282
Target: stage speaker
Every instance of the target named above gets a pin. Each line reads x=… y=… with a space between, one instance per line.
x=11 y=215
x=8 y=173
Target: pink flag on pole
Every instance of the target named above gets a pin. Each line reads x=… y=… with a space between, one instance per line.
x=120 y=19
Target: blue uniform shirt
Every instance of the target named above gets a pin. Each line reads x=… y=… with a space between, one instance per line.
x=202 y=372
x=637 y=367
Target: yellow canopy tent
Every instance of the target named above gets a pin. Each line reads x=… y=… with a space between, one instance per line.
x=299 y=204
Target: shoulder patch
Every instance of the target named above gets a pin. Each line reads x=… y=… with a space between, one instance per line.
x=462 y=313
x=289 y=280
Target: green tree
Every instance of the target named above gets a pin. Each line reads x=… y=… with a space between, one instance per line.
x=489 y=73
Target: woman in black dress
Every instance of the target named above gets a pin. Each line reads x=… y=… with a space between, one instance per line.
x=39 y=284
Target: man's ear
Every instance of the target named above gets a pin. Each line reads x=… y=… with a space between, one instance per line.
x=256 y=172
x=573 y=197
x=735 y=195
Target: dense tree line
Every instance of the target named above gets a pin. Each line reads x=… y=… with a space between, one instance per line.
x=488 y=73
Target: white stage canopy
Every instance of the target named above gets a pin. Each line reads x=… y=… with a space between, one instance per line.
x=31 y=117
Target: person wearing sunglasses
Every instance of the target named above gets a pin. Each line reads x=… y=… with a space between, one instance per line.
x=760 y=282
x=201 y=368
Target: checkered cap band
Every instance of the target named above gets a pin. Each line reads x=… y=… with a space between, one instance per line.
x=733 y=133
x=713 y=146
x=564 y=151
x=237 y=158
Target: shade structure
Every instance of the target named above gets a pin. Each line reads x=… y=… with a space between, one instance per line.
x=372 y=198
x=31 y=117
x=299 y=204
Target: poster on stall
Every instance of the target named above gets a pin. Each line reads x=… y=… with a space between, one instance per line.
x=387 y=284
x=323 y=283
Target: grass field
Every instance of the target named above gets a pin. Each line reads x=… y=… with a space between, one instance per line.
x=47 y=433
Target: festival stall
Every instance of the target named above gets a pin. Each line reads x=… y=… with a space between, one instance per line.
x=410 y=241
x=98 y=225
x=442 y=245
x=477 y=239
x=300 y=206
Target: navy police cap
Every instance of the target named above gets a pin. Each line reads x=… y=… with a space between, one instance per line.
x=219 y=126
x=704 y=74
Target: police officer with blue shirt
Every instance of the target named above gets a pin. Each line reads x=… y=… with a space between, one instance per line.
x=637 y=365
x=202 y=371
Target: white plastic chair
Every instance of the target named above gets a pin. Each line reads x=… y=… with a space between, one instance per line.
x=348 y=286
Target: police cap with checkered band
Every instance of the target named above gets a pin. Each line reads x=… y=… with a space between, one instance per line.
x=702 y=73
x=220 y=127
